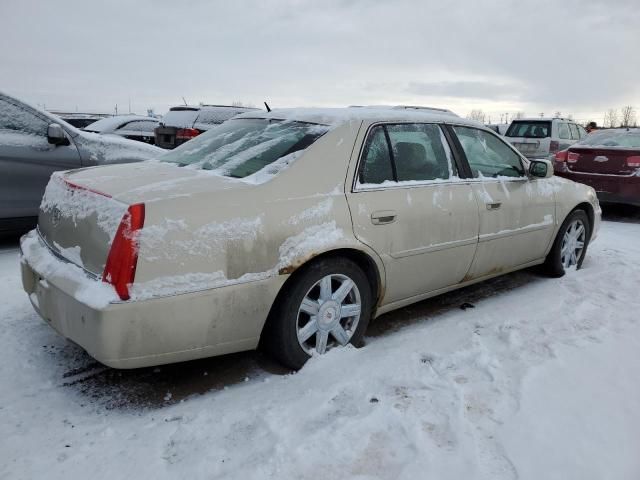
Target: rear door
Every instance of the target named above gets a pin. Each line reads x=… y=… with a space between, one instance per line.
x=27 y=159
x=517 y=213
x=408 y=204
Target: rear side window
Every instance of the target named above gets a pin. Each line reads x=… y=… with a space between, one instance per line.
x=581 y=131
x=529 y=129
x=488 y=156
x=376 y=161
x=563 y=131
x=574 y=131
x=404 y=153
x=12 y=117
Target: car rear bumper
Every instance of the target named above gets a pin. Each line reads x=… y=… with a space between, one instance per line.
x=609 y=188
x=157 y=331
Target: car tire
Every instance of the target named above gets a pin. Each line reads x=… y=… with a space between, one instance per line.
x=291 y=321
x=556 y=264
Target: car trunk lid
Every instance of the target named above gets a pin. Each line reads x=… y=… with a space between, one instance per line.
x=83 y=209
x=603 y=161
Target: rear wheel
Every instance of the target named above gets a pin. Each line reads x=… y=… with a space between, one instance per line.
x=326 y=305
x=570 y=245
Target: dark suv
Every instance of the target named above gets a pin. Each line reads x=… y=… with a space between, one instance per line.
x=183 y=123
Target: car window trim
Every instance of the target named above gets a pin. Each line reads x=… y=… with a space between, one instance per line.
x=524 y=163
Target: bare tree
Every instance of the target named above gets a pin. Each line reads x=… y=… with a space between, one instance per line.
x=628 y=115
x=611 y=118
x=477 y=115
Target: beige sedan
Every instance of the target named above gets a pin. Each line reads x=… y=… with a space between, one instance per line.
x=291 y=230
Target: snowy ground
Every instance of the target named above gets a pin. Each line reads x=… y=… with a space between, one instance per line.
x=538 y=381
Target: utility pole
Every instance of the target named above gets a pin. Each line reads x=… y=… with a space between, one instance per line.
x=541 y=114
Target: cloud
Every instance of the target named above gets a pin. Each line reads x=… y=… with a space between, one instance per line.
x=574 y=56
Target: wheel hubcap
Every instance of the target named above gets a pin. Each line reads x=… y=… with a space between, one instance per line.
x=573 y=244
x=329 y=314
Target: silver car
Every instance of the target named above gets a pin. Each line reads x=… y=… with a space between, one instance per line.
x=34 y=144
x=133 y=127
x=292 y=229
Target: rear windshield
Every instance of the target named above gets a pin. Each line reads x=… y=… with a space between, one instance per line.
x=613 y=138
x=242 y=147
x=529 y=129
x=215 y=115
x=181 y=118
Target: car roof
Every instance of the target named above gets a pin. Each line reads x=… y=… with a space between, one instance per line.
x=538 y=119
x=114 y=122
x=336 y=116
x=207 y=107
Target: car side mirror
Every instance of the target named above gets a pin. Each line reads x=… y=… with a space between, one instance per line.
x=56 y=135
x=540 y=168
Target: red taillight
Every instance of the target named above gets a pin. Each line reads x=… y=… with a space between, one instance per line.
x=573 y=157
x=633 y=161
x=187 y=133
x=120 y=269
x=554 y=146
x=561 y=156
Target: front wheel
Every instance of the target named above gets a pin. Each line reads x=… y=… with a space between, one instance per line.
x=326 y=305
x=570 y=245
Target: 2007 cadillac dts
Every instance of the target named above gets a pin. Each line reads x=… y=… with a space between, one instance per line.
x=291 y=229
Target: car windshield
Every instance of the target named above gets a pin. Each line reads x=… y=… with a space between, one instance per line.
x=529 y=129
x=241 y=147
x=613 y=138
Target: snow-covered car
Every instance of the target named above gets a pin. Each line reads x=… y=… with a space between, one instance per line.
x=34 y=144
x=184 y=122
x=133 y=127
x=291 y=229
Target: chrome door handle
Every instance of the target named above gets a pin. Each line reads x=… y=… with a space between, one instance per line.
x=494 y=206
x=383 y=217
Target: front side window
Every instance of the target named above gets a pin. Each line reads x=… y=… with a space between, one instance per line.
x=13 y=117
x=242 y=147
x=404 y=153
x=488 y=156
x=563 y=131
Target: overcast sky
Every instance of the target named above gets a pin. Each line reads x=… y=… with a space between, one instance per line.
x=578 y=57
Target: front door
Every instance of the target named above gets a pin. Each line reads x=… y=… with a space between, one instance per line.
x=517 y=213
x=409 y=206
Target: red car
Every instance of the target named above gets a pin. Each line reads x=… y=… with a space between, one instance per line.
x=608 y=161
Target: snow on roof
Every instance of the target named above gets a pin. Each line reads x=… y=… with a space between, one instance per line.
x=336 y=116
